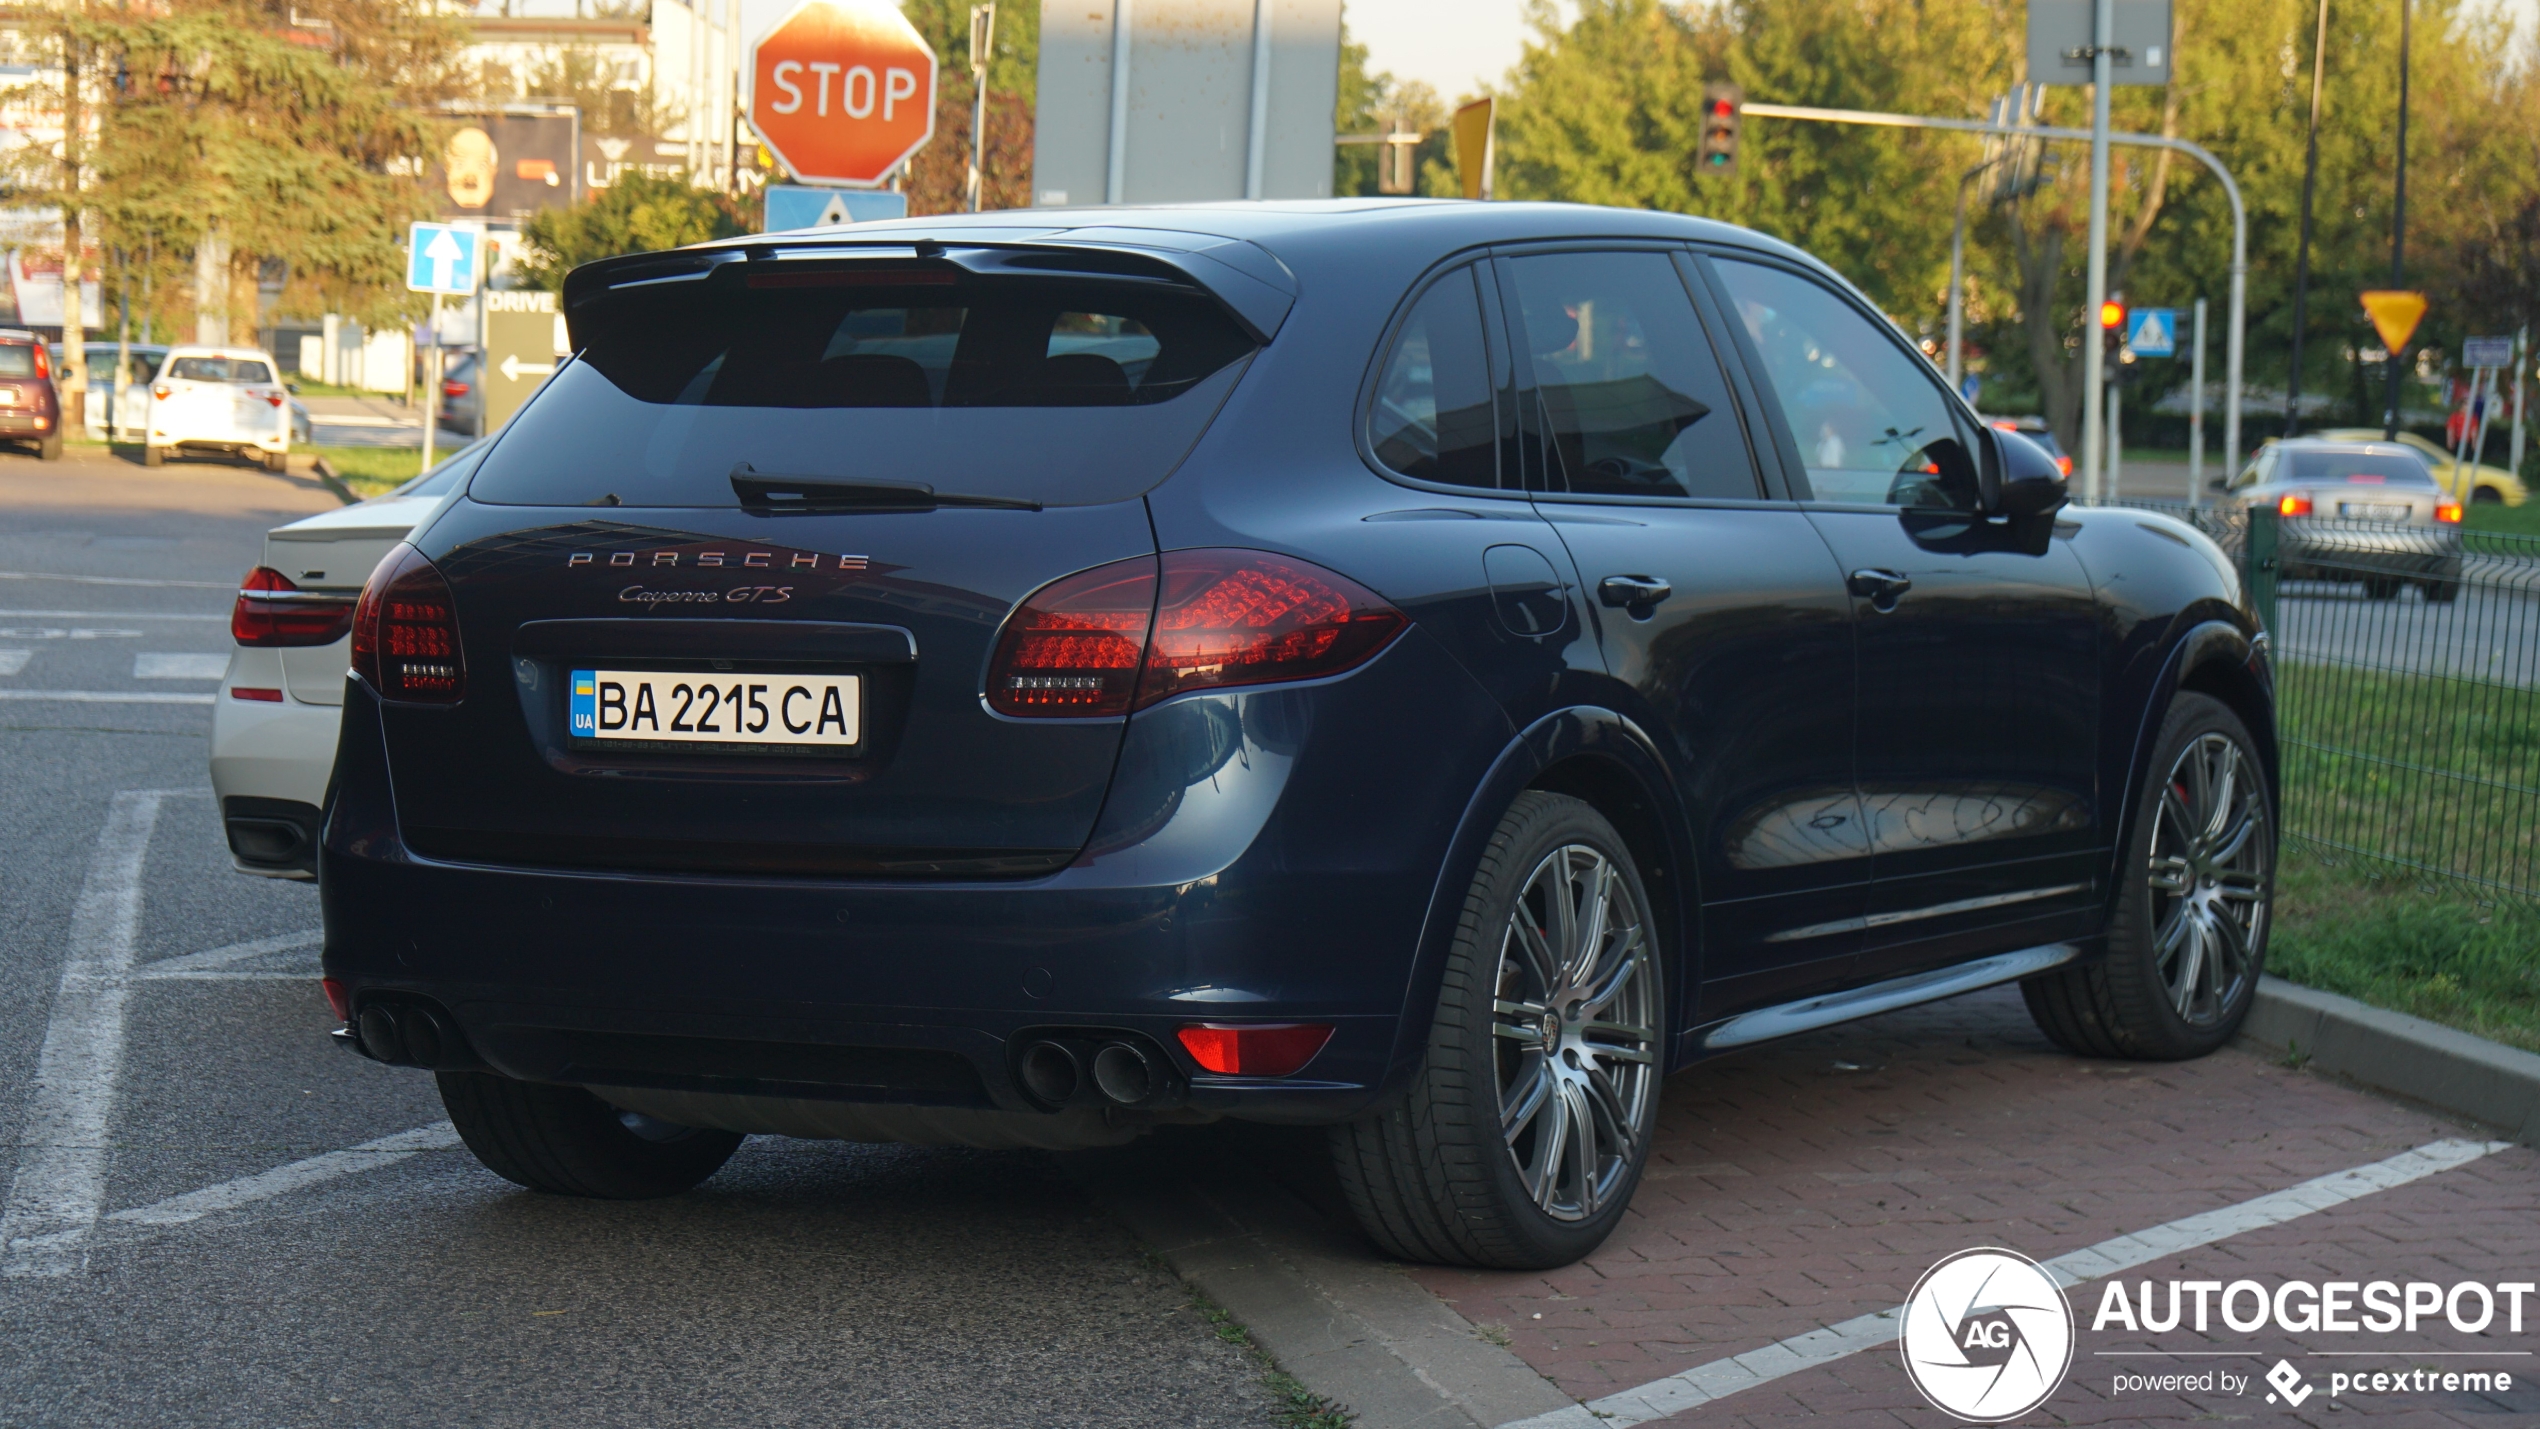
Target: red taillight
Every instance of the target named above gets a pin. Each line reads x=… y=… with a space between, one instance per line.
x=1252 y=618
x=2448 y=511
x=2064 y=464
x=273 y=399
x=2293 y=504
x=1233 y=1051
x=255 y=694
x=1081 y=646
x=1074 y=646
x=453 y=389
x=406 y=632
x=273 y=611
x=337 y=999
x=43 y=361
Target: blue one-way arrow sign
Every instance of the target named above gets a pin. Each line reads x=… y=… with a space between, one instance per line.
x=2153 y=333
x=443 y=258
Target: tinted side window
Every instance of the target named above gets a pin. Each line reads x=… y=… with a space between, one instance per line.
x=1432 y=417
x=1631 y=398
x=1866 y=413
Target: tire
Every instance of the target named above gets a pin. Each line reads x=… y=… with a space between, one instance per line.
x=2486 y=496
x=567 y=1141
x=2137 y=1002
x=49 y=449
x=1432 y=1178
x=277 y=461
x=153 y=455
x=2442 y=592
x=2381 y=587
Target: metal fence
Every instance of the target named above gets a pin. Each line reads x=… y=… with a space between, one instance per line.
x=2407 y=688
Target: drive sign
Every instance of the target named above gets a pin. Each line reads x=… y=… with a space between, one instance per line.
x=843 y=91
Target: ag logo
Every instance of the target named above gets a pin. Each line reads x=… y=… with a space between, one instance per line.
x=1988 y=1336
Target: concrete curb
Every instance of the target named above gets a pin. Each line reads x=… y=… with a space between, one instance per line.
x=1342 y=1321
x=334 y=483
x=2405 y=1056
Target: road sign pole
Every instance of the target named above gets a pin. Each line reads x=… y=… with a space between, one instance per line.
x=2196 y=415
x=432 y=385
x=2094 y=376
x=2522 y=364
x=2116 y=440
x=2398 y=232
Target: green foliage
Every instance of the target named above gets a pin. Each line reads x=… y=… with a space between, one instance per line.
x=639 y=213
x=1372 y=104
x=1015 y=65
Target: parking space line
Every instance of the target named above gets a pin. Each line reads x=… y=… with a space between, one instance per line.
x=108 y=697
x=234 y=953
x=1702 y=1384
x=61 y=1175
x=107 y=615
x=112 y=580
x=299 y=1175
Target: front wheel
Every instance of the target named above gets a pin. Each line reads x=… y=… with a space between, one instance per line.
x=154 y=455
x=2189 y=934
x=1526 y=1126
x=277 y=461
x=565 y=1140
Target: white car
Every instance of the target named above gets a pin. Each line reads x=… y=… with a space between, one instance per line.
x=274 y=723
x=223 y=399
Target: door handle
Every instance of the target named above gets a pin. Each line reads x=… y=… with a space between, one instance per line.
x=1882 y=589
x=1633 y=593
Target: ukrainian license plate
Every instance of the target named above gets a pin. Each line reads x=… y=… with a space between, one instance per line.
x=2373 y=511
x=648 y=706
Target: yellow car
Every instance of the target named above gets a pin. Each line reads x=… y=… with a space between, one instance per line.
x=2485 y=483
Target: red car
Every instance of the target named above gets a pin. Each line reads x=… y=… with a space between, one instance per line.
x=30 y=410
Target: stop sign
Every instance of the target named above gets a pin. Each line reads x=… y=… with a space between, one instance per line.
x=842 y=91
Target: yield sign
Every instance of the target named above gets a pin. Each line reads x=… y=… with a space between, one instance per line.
x=2394 y=315
x=843 y=91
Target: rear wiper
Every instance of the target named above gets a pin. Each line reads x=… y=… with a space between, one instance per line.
x=762 y=492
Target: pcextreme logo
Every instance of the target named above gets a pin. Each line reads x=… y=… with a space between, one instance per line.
x=1987 y=1335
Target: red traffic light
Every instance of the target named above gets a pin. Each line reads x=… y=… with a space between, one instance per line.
x=1723 y=108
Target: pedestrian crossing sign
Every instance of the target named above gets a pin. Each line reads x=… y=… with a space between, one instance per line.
x=2153 y=332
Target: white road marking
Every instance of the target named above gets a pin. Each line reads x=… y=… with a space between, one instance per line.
x=111 y=580
x=56 y=632
x=107 y=615
x=1704 y=1383
x=108 y=697
x=234 y=953
x=61 y=1175
x=299 y=1175
x=12 y=661
x=160 y=665
x=309 y=976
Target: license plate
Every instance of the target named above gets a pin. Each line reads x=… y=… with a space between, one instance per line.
x=8 y=396
x=2373 y=511
x=645 y=706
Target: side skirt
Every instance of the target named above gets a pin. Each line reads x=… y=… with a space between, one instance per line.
x=1810 y=1013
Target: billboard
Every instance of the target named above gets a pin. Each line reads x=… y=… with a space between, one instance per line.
x=502 y=165
x=1179 y=101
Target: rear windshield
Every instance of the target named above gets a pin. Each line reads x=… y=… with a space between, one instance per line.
x=1060 y=390
x=2360 y=468
x=447 y=474
x=220 y=369
x=17 y=359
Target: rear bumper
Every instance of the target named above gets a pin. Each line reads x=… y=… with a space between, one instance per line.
x=1262 y=857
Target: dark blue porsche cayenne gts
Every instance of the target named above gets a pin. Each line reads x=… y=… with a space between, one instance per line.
x=1427 y=670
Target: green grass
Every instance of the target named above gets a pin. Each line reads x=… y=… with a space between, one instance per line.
x=2523 y=520
x=371 y=471
x=2426 y=947
x=1293 y=1405
x=311 y=387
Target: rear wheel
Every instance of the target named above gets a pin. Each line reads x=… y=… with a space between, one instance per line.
x=565 y=1140
x=1525 y=1129
x=2189 y=937
x=2486 y=496
x=2381 y=587
x=277 y=461
x=49 y=449
x=153 y=455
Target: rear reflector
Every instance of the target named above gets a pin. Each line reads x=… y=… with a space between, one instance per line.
x=1082 y=645
x=406 y=632
x=260 y=696
x=1252 y=618
x=1275 y=1051
x=337 y=999
x=271 y=611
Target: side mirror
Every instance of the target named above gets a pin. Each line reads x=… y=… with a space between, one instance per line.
x=291 y=387
x=2018 y=477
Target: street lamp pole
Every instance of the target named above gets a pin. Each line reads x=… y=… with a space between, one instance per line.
x=2094 y=360
x=2399 y=239
x=2302 y=261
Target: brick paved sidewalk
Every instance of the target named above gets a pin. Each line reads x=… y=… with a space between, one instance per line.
x=1811 y=1182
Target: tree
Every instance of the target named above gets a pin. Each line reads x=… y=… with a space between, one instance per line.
x=640 y=213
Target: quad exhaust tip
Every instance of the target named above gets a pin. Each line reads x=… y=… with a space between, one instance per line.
x=1111 y=1071
x=1050 y=1072
x=1124 y=1073
x=412 y=1035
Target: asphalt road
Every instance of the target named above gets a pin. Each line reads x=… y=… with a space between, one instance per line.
x=215 y=1246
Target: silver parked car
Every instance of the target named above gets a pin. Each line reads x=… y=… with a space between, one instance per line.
x=2367 y=512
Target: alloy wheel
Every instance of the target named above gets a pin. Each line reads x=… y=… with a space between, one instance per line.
x=1576 y=1033
x=2209 y=875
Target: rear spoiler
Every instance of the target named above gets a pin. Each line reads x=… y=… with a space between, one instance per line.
x=1253 y=287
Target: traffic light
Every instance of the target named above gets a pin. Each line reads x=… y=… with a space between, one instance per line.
x=2112 y=328
x=1720 y=106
